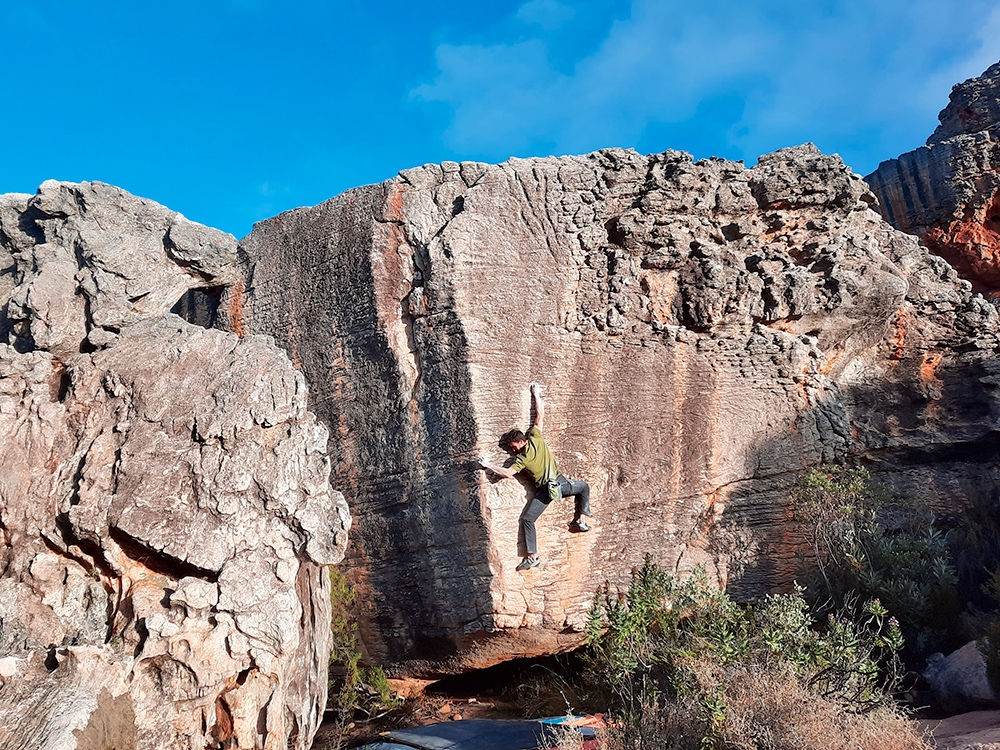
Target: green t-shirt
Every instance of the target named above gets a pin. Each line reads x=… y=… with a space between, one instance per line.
x=537 y=459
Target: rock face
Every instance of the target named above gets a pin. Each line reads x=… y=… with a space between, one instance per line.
x=704 y=332
x=948 y=192
x=165 y=501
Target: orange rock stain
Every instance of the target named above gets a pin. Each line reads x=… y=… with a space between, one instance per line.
x=829 y=363
x=972 y=245
x=929 y=367
x=236 y=314
x=394 y=203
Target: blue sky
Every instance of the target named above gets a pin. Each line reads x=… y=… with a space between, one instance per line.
x=231 y=111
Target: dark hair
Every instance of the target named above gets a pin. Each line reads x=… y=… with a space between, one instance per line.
x=511 y=436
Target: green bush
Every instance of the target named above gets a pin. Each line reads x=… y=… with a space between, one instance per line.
x=355 y=690
x=976 y=545
x=674 y=645
x=977 y=553
x=867 y=544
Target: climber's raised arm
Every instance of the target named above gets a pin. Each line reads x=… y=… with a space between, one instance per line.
x=536 y=395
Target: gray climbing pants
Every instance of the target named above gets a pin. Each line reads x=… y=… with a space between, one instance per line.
x=565 y=488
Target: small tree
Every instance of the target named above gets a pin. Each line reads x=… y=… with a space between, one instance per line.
x=354 y=689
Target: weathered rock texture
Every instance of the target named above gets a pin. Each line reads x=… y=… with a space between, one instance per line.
x=960 y=681
x=948 y=192
x=165 y=511
x=704 y=332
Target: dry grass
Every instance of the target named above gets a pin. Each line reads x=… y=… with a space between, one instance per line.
x=775 y=711
x=676 y=726
x=769 y=711
x=566 y=737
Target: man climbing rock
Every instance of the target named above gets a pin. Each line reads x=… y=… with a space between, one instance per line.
x=532 y=454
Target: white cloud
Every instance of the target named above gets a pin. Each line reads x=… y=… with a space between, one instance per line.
x=984 y=52
x=506 y=92
x=655 y=66
x=840 y=72
x=989 y=46
x=659 y=64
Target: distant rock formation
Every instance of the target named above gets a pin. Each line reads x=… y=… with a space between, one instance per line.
x=165 y=511
x=704 y=332
x=948 y=192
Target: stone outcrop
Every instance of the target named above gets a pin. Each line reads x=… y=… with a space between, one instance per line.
x=165 y=509
x=704 y=333
x=960 y=681
x=948 y=192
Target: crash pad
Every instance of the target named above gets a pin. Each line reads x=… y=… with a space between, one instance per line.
x=474 y=734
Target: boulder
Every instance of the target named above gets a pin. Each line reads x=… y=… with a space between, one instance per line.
x=948 y=192
x=704 y=332
x=959 y=681
x=166 y=511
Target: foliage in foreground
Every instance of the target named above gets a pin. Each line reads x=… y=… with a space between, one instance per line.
x=354 y=689
x=765 y=709
x=680 y=655
x=869 y=544
x=977 y=558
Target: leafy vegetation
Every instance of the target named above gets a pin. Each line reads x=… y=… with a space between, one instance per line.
x=868 y=545
x=355 y=690
x=676 y=655
x=677 y=664
x=977 y=555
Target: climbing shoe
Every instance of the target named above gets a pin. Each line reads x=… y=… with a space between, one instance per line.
x=578 y=527
x=528 y=562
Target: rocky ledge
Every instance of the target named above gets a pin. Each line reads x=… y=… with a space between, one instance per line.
x=948 y=192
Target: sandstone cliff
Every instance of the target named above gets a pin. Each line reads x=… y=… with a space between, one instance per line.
x=948 y=192
x=704 y=332
x=165 y=511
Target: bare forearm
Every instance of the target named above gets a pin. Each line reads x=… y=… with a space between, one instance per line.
x=536 y=395
x=500 y=471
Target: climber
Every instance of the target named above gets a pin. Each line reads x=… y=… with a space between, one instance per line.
x=532 y=454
